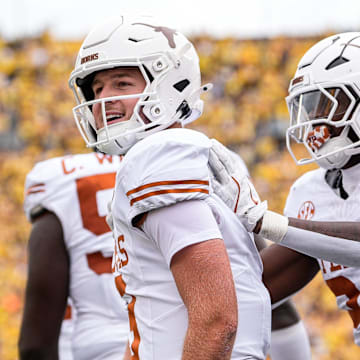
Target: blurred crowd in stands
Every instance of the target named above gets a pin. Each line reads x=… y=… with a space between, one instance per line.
x=246 y=111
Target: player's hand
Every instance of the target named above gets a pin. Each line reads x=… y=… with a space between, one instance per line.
x=231 y=183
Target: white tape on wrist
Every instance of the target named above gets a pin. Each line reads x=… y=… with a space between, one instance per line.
x=274 y=226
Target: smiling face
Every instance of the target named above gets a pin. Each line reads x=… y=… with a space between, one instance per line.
x=116 y=82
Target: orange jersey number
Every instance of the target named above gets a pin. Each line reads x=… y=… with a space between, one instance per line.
x=87 y=187
x=343 y=286
x=121 y=286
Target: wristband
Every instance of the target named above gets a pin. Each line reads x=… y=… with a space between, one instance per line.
x=274 y=226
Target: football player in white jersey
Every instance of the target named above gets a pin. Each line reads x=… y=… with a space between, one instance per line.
x=323 y=101
x=193 y=289
x=70 y=254
x=132 y=79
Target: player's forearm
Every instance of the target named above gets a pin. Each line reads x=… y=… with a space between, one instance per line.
x=341 y=229
x=212 y=342
x=331 y=241
x=346 y=229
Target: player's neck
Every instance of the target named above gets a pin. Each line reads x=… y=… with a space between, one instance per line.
x=175 y=125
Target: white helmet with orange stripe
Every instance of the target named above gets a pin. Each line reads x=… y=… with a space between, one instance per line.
x=323 y=102
x=167 y=61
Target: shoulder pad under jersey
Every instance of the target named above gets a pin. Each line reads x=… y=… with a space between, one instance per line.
x=49 y=180
x=164 y=168
x=303 y=185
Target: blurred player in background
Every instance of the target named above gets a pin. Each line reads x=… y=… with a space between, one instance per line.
x=70 y=252
x=323 y=100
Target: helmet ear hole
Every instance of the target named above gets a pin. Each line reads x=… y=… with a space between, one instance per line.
x=148 y=73
x=184 y=110
x=336 y=62
x=85 y=86
x=181 y=85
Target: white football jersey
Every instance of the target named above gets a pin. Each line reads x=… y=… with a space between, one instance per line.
x=66 y=333
x=312 y=198
x=165 y=168
x=77 y=189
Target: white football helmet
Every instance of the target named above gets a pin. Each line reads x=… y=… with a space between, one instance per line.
x=169 y=65
x=324 y=100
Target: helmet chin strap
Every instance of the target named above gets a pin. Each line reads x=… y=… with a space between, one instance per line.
x=111 y=143
x=337 y=160
x=198 y=107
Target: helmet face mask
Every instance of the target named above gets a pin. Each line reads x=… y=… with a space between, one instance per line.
x=323 y=102
x=168 y=63
x=105 y=138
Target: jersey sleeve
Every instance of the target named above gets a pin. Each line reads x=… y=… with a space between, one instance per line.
x=42 y=188
x=176 y=227
x=168 y=167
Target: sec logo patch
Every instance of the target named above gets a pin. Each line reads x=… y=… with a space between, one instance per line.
x=306 y=211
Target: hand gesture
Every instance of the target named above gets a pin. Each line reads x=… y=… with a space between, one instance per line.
x=232 y=184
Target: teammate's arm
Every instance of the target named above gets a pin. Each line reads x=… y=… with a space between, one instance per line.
x=286 y=271
x=331 y=241
x=203 y=276
x=325 y=240
x=345 y=230
x=46 y=290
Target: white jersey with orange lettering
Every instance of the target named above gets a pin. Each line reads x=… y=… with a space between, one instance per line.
x=77 y=189
x=169 y=170
x=312 y=198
